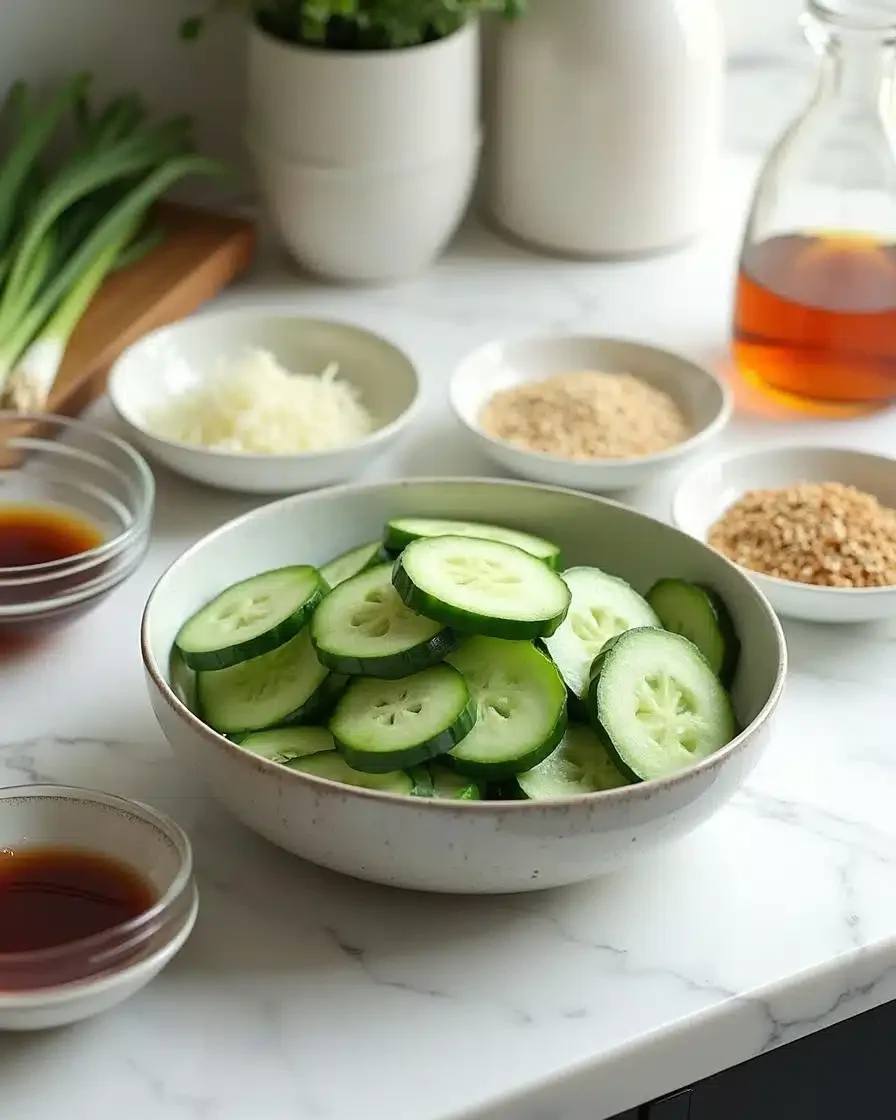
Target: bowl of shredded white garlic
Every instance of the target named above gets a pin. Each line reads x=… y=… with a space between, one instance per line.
x=264 y=402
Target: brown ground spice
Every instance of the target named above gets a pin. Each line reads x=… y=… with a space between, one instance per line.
x=588 y=415
x=822 y=533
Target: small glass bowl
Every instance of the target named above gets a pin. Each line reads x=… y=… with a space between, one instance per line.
x=72 y=467
x=46 y=987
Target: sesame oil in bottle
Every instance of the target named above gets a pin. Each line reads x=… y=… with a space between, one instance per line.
x=815 y=306
x=816 y=318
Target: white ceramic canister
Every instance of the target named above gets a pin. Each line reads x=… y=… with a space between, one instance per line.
x=364 y=109
x=606 y=124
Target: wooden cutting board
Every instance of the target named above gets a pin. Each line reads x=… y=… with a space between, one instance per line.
x=202 y=253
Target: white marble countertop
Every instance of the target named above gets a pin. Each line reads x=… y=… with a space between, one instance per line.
x=305 y=996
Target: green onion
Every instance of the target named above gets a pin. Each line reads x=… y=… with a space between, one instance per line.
x=30 y=382
x=140 y=247
x=88 y=172
x=113 y=233
x=34 y=132
x=75 y=221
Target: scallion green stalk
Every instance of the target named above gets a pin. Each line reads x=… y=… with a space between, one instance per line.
x=32 y=135
x=93 y=170
x=64 y=226
x=113 y=233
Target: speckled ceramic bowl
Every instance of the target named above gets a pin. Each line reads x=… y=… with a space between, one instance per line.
x=461 y=847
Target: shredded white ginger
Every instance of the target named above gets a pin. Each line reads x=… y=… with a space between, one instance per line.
x=255 y=406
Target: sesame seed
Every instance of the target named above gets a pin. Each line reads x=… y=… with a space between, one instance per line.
x=587 y=415
x=821 y=533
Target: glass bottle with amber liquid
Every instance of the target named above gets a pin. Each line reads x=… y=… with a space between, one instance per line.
x=815 y=308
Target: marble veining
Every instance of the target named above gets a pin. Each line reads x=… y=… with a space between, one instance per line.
x=306 y=996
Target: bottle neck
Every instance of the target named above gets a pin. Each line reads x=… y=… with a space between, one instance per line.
x=857 y=69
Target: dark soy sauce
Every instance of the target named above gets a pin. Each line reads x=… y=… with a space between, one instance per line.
x=53 y=897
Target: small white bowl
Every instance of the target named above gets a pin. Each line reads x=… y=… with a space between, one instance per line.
x=705 y=400
x=179 y=357
x=363 y=225
x=708 y=491
x=107 y=968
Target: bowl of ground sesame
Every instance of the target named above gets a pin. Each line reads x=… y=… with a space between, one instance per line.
x=592 y=413
x=813 y=527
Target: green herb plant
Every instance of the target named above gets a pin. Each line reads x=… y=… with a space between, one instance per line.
x=357 y=24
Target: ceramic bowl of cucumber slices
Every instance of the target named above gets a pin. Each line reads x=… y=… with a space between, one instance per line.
x=459 y=685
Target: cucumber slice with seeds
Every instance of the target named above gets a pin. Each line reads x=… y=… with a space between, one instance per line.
x=657 y=704
x=333 y=766
x=283 y=744
x=698 y=613
x=250 y=618
x=581 y=764
x=364 y=629
x=482 y=587
x=520 y=708
x=352 y=563
x=381 y=725
x=288 y=685
x=402 y=530
x=601 y=607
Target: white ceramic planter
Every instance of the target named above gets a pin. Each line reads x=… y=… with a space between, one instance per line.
x=380 y=109
x=607 y=121
x=362 y=226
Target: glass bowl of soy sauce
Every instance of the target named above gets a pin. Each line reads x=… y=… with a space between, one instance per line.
x=97 y=895
x=75 y=515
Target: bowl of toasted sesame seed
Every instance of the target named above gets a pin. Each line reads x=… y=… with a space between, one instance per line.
x=587 y=412
x=813 y=527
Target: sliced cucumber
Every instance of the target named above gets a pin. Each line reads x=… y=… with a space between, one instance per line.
x=422 y=779
x=382 y=725
x=333 y=766
x=448 y=786
x=183 y=681
x=698 y=613
x=364 y=629
x=250 y=618
x=657 y=704
x=482 y=587
x=433 y=780
x=288 y=685
x=283 y=744
x=520 y=708
x=601 y=607
x=580 y=764
x=352 y=563
x=402 y=530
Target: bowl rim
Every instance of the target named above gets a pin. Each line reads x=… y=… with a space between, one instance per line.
x=777 y=583
x=180 y=884
x=372 y=439
x=617 y=796
x=656 y=458
x=37 y=427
